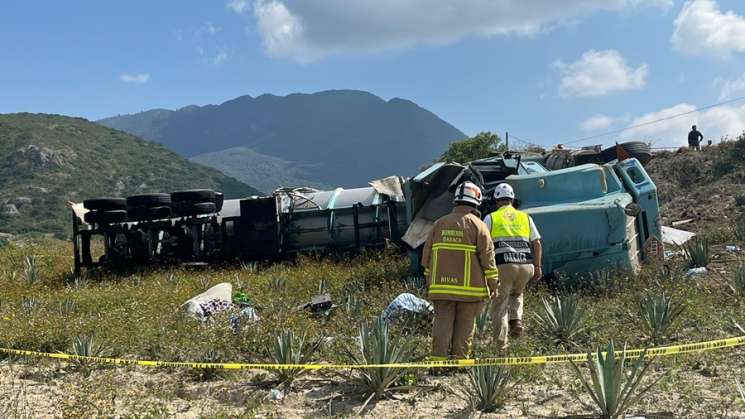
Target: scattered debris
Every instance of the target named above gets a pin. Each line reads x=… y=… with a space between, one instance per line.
x=321 y=304
x=406 y=303
x=694 y=272
x=674 y=236
x=276 y=394
x=681 y=222
x=732 y=248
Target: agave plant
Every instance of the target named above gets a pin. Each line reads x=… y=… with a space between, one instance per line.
x=737 y=284
x=611 y=389
x=482 y=319
x=697 y=252
x=279 y=284
x=292 y=349
x=323 y=286
x=562 y=318
x=30 y=305
x=86 y=346
x=353 y=306
x=67 y=306
x=377 y=347
x=740 y=227
x=31 y=270
x=487 y=388
x=658 y=314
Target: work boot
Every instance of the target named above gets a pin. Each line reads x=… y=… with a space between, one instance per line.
x=516 y=328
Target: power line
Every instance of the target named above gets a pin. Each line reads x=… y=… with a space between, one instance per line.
x=667 y=118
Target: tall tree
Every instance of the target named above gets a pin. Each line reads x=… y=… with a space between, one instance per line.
x=474 y=148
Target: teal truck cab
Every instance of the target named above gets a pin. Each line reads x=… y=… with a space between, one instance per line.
x=592 y=217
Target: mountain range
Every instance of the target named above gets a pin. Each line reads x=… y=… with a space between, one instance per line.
x=332 y=138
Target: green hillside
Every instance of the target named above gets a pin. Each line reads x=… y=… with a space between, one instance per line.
x=47 y=160
x=266 y=173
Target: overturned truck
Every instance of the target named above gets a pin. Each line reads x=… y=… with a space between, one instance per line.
x=592 y=217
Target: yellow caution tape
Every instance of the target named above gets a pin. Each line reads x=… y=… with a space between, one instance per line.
x=530 y=360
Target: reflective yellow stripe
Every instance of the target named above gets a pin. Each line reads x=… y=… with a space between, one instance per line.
x=467 y=270
x=458 y=290
x=434 y=264
x=454 y=246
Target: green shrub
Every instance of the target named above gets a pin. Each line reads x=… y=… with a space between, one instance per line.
x=482 y=319
x=658 y=314
x=487 y=387
x=737 y=283
x=562 y=318
x=292 y=349
x=740 y=227
x=740 y=200
x=697 y=252
x=609 y=386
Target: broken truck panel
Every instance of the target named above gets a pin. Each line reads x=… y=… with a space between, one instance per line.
x=592 y=217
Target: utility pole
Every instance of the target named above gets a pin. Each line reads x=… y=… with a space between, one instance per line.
x=507 y=140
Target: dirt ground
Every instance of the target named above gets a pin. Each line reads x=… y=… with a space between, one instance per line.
x=704 y=387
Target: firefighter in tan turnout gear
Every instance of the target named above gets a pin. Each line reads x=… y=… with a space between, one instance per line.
x=517 y=247
x=458 y=261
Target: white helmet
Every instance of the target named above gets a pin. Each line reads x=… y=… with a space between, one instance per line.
x=504 y=190
x=468 y=192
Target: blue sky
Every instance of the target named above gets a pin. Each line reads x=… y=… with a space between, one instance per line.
x=546 y=71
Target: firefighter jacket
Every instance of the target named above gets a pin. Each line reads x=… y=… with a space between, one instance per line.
x=458 y=257
x=510 y=232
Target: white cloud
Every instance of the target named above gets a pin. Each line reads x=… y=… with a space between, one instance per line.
x=714 y=123
x=221 y=57
x=211 y=29
x=702 y=29
x=730 y=88
x=239 y=6
x=598 y=73
x=310 y=29
x=597 y=122
x=135 y=78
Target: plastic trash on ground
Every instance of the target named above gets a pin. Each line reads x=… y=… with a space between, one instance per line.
x=406 y=303
x=214 y=300
x=675 y=236
x=694 y=272
x=732 y=248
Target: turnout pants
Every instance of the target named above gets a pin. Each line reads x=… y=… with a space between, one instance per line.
x=508 y=303
x=453 y=328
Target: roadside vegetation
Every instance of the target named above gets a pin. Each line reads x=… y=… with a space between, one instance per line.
x=136 y=315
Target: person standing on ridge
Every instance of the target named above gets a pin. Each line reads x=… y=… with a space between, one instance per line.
x=458 y=261
x=517 y=246
x=694 y=139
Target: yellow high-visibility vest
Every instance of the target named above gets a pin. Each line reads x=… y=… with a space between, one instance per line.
x=510 y=232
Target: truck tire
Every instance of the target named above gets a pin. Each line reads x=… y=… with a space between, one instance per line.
x=105 y=204
x=148 y=213
x=585 y=156
x=105 y=217
x=636 y=149
x=193 y=196
x=150 y=200
x=188 y=210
